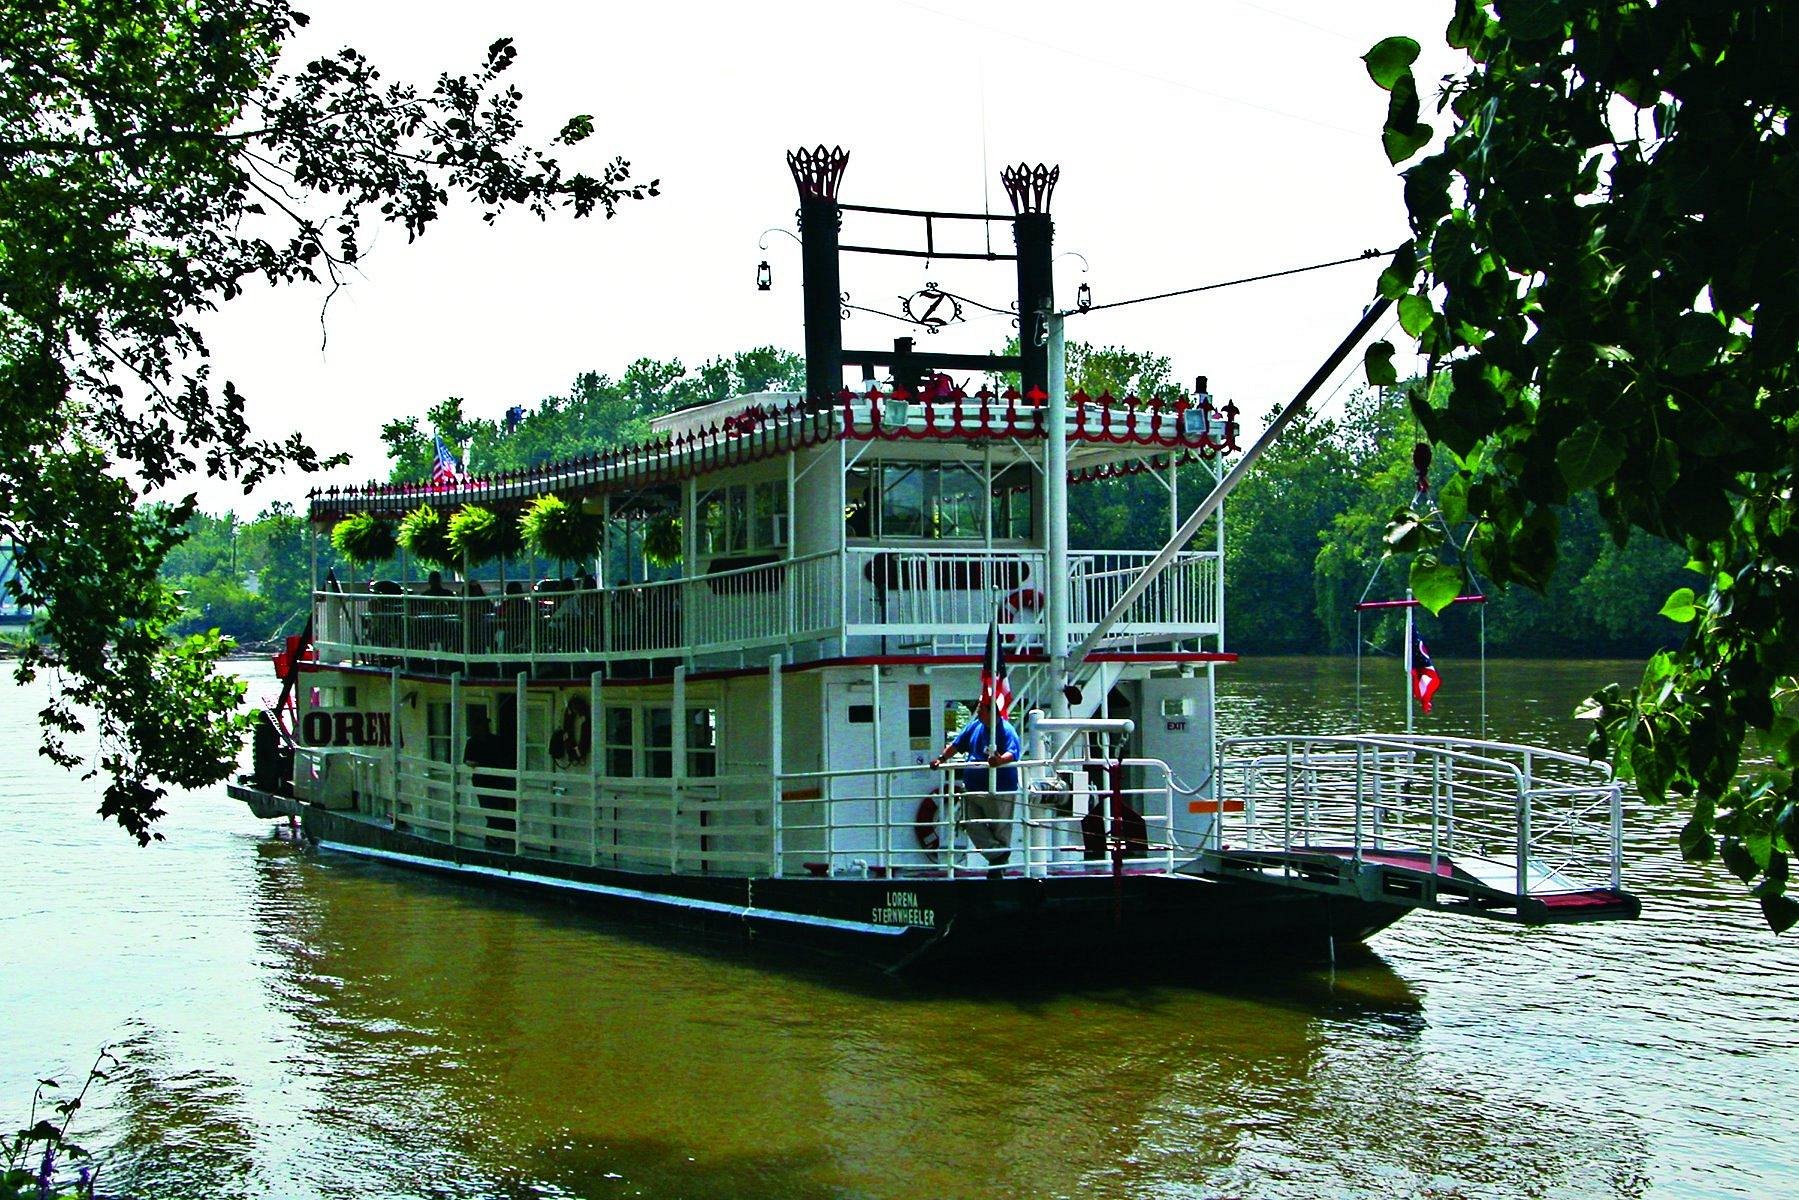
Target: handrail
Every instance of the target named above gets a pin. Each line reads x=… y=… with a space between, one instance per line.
x=1435 y=794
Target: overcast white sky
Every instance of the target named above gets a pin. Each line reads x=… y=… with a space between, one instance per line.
x=1198 y=142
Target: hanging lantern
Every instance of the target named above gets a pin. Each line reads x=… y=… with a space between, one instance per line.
x=764 y=277
x=1083 y=297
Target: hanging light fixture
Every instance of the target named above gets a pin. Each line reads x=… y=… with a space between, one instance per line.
x=1083 y=297
x=764 y=277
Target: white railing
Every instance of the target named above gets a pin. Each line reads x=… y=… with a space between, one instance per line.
x=1517 y=818
x=1183 y=600
x=927 y=594
x=690 y=826
x=920 y=598
x=868 y=821
x=845 y=822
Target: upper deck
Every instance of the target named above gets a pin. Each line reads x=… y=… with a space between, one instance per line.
x=881 y=525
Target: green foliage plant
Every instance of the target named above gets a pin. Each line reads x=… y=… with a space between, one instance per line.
x=1603 y=261
x=364 y=539
x=425 y=535
x=156 y=161
x=662 y=540
x=557 y=530
x=476 y=535
x=40 y=1154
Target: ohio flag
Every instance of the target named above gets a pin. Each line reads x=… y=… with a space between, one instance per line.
x=994 y=684
x=1425 y=680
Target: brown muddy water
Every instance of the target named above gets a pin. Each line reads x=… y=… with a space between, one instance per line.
x=301 y=1025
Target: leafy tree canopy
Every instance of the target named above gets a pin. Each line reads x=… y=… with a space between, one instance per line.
x=154 y=162
x=1605 y=262
x=596 y=412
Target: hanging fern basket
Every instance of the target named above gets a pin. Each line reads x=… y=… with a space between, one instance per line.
x=363 y=539
x=425 y=535
x=560 y=531
x=479 y=535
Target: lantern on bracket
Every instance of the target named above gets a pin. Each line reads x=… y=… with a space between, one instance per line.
x=764 y=277
x=1083 y=297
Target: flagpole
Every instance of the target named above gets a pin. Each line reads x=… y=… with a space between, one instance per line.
x=1410 y=637
x=1055 y=507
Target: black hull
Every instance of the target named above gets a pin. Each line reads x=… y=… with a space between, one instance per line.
x=1171 y=925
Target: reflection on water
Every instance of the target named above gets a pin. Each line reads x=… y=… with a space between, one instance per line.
x=299 y=1025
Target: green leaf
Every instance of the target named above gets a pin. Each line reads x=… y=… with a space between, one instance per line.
x=1397 y=278
x=1415 y=313
x=1390 y=58
x=1528 y=20
x=1680 y=606
x=1781 y=912
x=1452 y=499
x=1403 y=135
x=1435 y=585
x=1402 y=142
x=1378 y=361
x=1468 y=25
x=1407 y=533
x=1589 y=456
x=1737 y=859
x=1696 y=842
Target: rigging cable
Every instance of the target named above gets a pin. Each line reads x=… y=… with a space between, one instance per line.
x=1209 y=287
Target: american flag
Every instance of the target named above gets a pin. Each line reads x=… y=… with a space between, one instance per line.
x=1425 y=680
x=994 y=684
x=446 y=471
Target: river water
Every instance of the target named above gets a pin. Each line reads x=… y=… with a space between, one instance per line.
x=297 y=1025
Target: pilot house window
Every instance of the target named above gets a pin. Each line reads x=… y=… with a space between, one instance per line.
x=938 y=501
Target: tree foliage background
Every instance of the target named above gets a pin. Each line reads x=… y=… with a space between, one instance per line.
x=1605 y=263
x=155 y=160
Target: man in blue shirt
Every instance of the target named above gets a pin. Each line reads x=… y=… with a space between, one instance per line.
x=988 y=790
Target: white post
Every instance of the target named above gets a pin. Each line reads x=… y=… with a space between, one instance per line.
x=774 y=764
x=883 y=784
x=458 y=737
x=596 y=750
x=677 y=764
x=1408 y=660
x=1055 y=516
x=393 y=746
x=518 y=758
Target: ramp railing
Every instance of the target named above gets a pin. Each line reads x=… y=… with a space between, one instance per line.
x=1514 y=819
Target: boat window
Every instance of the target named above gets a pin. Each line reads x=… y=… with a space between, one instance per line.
x=702 y=742
x=937 y=501
x=957 y=508
x=437 y=730
x=903 y=500
x=741 y=517
x=618 y=741
x=659 y=742
x=1012 y=494
x=918 y=715
x=858 y=502
x=537 y=734
x=768 y=516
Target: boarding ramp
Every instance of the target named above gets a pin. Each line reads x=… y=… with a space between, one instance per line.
x=1491 y=829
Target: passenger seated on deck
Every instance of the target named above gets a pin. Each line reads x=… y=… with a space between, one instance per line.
x=989 y=738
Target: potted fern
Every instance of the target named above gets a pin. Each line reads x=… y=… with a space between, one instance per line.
x=363 y=539
x=477 y=535
x=557 y=530
x=425 y=535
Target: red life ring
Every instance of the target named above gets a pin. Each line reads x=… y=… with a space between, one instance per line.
x=1024 y=600
x=924 y=822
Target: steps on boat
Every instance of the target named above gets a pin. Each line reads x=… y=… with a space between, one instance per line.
x=1482 y=887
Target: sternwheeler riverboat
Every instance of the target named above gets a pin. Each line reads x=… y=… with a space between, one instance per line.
x=745 y=746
